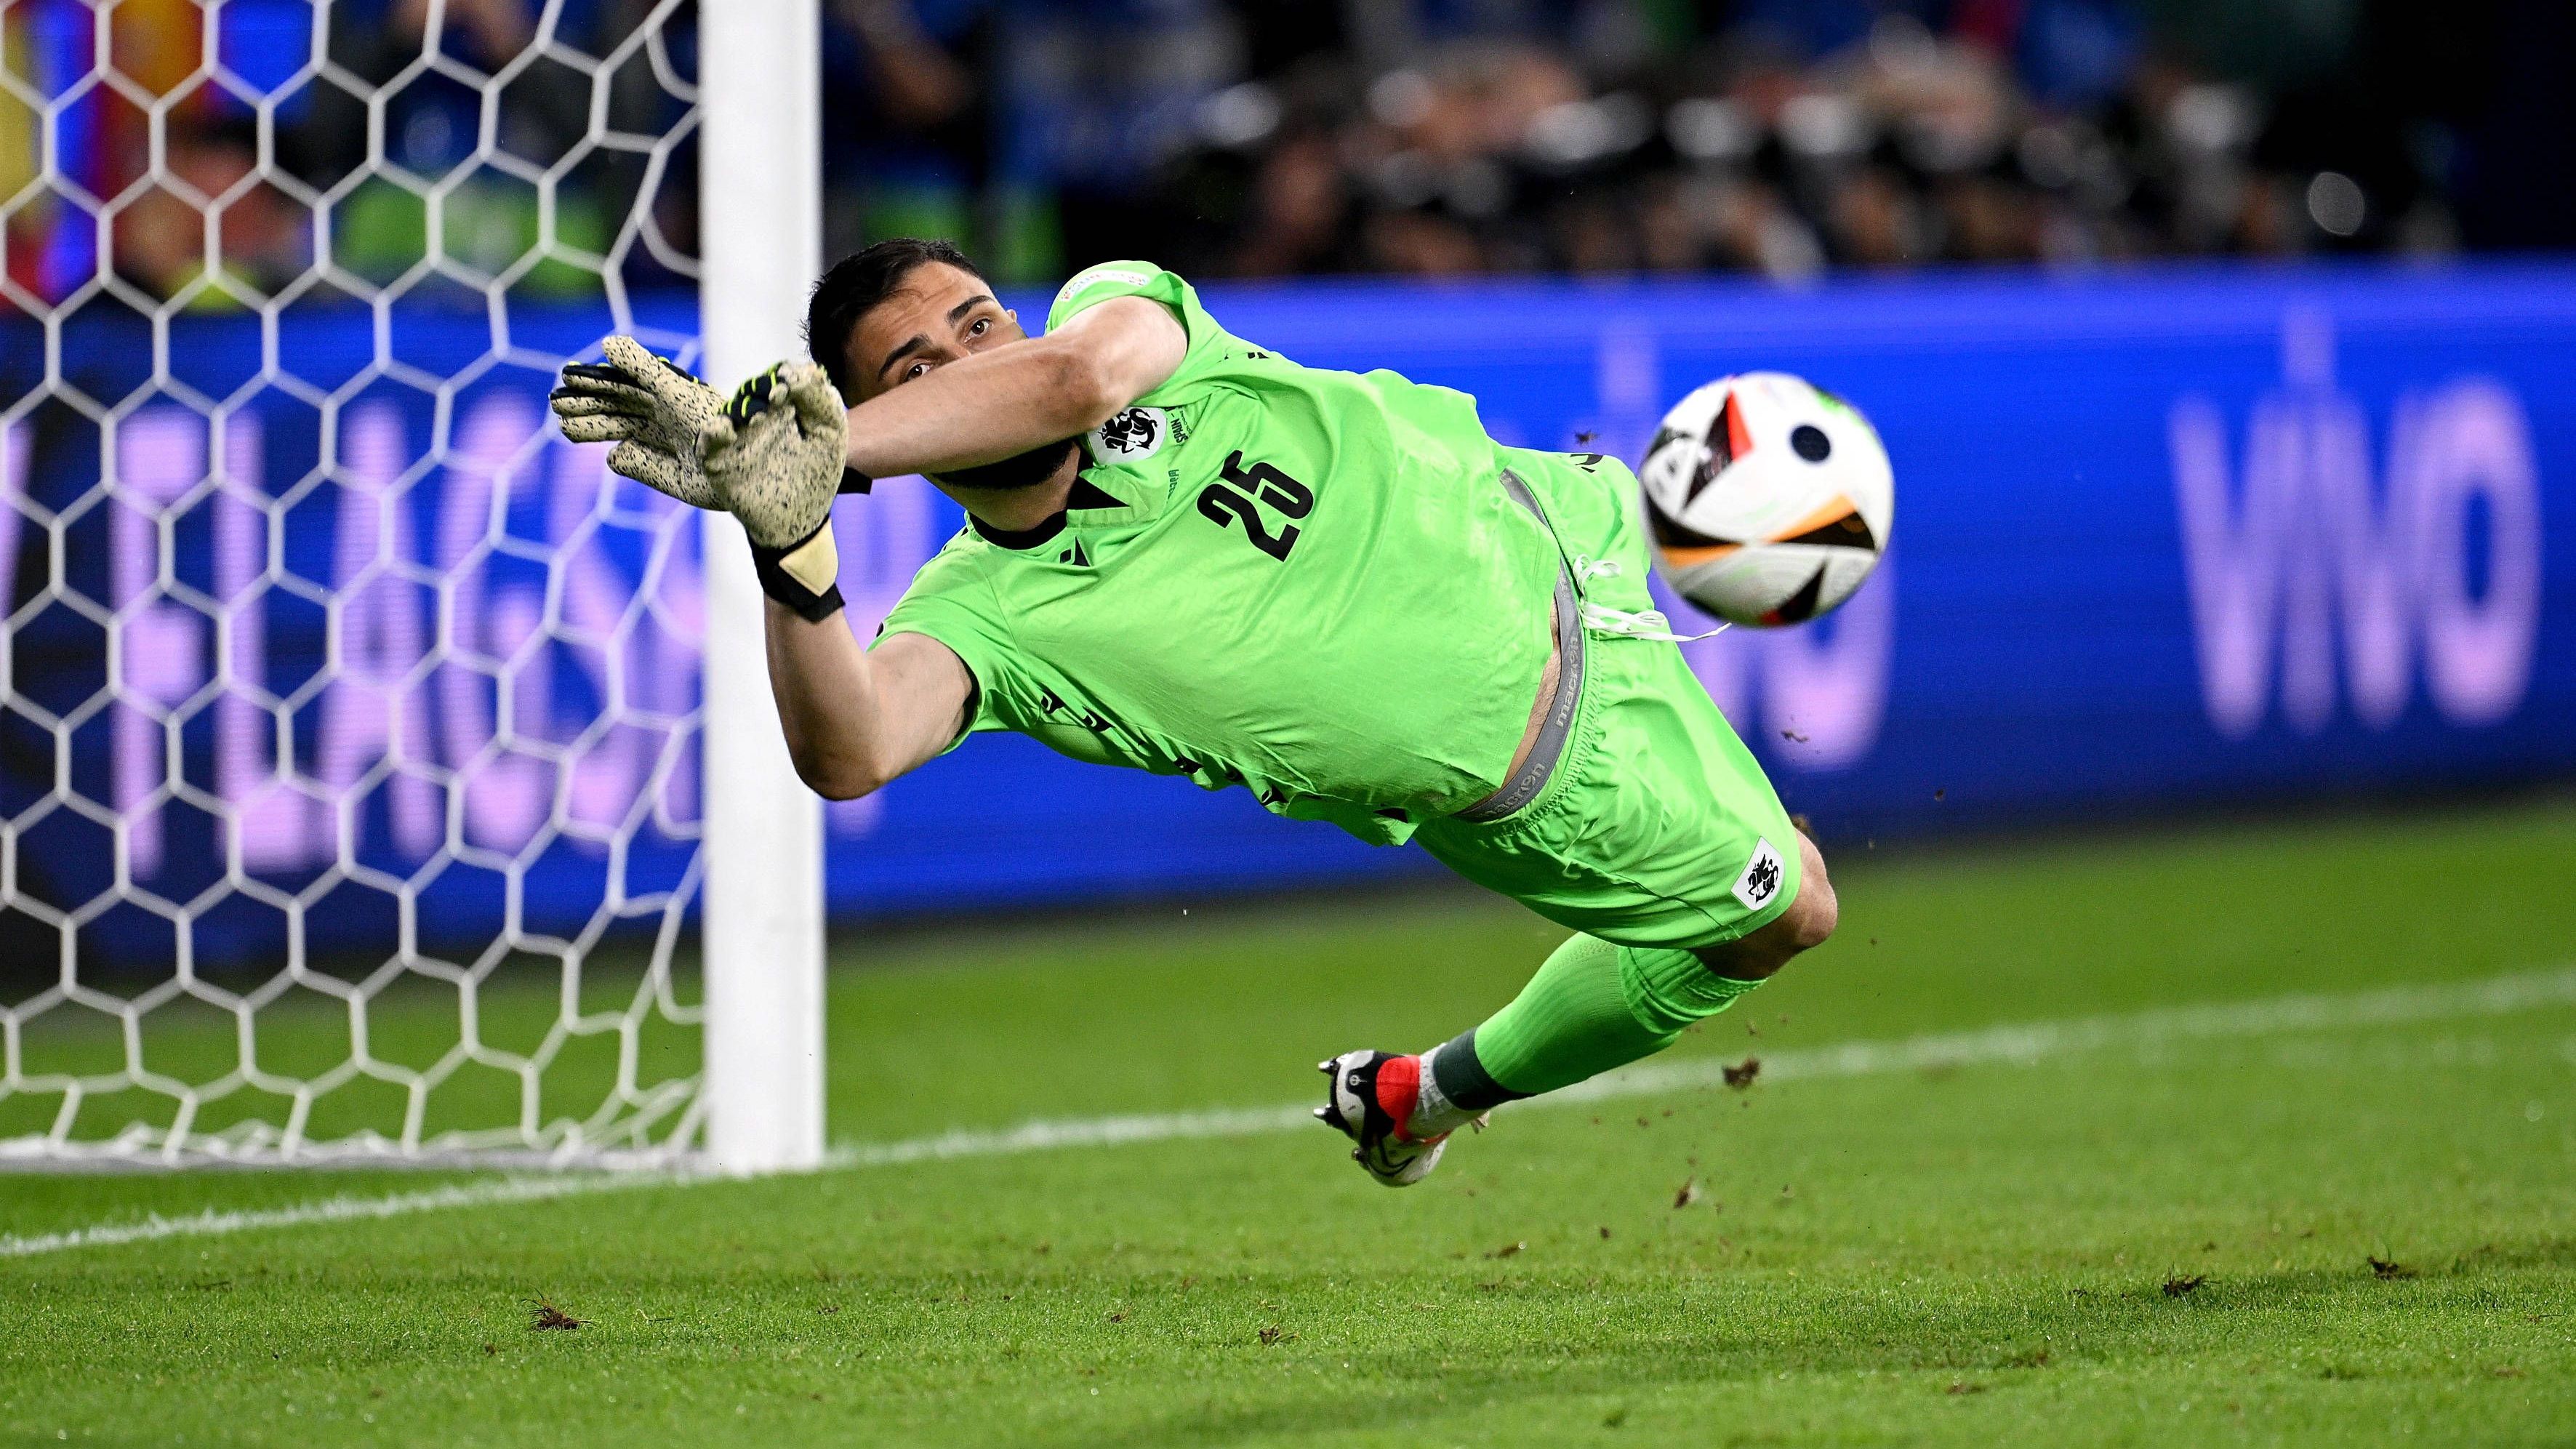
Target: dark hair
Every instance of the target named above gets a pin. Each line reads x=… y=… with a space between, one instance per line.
x=859 y=282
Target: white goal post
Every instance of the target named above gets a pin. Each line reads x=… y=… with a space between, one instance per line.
x=760 y=195
x=370 y=758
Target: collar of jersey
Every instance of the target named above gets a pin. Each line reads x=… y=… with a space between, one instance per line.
x=1085 y=497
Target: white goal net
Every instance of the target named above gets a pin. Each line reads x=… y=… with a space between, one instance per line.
x=350 y=727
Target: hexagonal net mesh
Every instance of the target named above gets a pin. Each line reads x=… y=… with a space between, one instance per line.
x=348 y=718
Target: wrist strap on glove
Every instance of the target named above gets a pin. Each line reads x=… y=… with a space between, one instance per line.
x=805 y=576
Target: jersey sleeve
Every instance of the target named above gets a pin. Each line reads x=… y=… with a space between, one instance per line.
x=943 y=603
x=1208 y=343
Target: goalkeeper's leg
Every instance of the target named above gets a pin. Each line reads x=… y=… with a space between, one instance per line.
x=1659 y=838
x=1593 y=1006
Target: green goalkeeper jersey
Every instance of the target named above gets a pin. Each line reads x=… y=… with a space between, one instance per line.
x=1303 y=581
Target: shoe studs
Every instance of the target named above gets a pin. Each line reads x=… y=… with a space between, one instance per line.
x=1323 y=1114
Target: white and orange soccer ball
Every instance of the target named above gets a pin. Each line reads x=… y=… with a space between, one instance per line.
x=1768 y=498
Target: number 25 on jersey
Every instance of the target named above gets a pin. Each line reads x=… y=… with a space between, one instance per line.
x=1232 y=501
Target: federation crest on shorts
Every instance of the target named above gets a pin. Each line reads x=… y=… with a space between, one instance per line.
x=1761 y=878
x=1131 y=435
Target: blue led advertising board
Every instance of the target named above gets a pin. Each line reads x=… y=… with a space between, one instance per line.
x=2208 y=535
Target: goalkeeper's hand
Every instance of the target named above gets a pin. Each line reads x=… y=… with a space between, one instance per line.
x=771 y=455
x=651 y=408
x=777 y=457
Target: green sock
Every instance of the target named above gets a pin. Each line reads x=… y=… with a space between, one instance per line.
x=1594 y=1006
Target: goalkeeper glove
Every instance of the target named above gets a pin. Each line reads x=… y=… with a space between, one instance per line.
x=651 y=408
x=771 y=455
x=777 y=456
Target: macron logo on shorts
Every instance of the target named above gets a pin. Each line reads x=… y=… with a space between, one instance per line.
x=1761 y=878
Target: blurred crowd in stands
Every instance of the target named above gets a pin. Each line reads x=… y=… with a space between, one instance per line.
x=1282 y=137
x=1270 y=137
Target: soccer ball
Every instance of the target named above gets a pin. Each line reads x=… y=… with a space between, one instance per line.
x=1769 y=498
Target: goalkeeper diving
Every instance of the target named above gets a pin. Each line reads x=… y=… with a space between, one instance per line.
x=1187 y=554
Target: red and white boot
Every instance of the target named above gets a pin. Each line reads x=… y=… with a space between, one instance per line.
x=1377 y=1101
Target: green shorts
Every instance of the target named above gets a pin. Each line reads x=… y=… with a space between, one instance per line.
x=1657 y=827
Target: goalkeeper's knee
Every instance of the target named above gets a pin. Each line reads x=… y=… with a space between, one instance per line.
x=1669 y=990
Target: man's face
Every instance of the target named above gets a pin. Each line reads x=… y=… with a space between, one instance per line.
x=938 y=315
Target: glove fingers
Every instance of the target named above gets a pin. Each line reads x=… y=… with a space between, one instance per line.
x=660 y=472
x=593 y=374
x=606 y=428
x=623 y=399
x=818 y=404
x=671 y=388
x=632 y=360
x=655 y=470
x=590 y=380
x=757 y=395
x=778 y=478
x=590 y=405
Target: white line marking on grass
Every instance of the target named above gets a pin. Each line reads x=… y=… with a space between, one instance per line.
x=214 y=1223
x=1047 y=1136
x=2029 y=1042
x=2025 y=1043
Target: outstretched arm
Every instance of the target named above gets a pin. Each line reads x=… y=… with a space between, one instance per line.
x=1006 y=400
x=853 y=720
x=856 y=718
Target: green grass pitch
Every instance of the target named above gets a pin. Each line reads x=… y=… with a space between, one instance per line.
x=2166 y=1239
